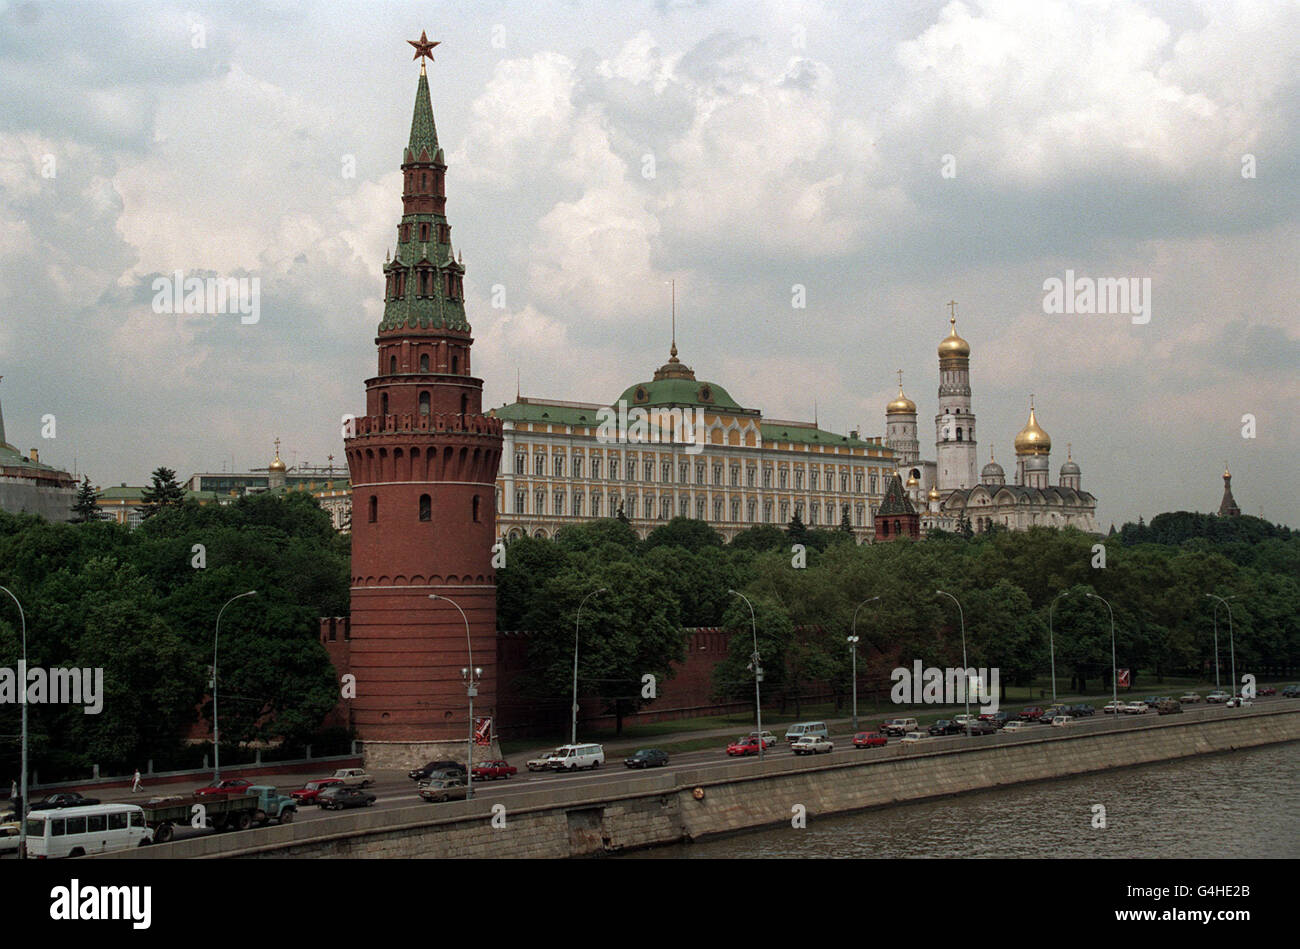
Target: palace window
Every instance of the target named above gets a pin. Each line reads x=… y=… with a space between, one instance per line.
x=699 y=474
x=798 y=479
x=750 y=508
x=539 y=464
x=812 y=514
x=767 y=477
x=699 y=509
x=735 y=476
x=717 y=475
x=857 y=515
x=785 y=512
x=783 y=477
x=844 y=484
x=717 y=509
x=577 y=466
x=631 y=506
x=812 y=479
x=577 y=504
x=649 y=469
x=666 y=472
x=595 y=505
x=613 y=469
x=559 y=466
x=735 y=510
x=751 y=475
x=873 y=484
x=595 y=468
x=541 y=503
x=664 y=508
x=684 y=508
x=519 y=502
x=520 y=461
x=830 y=513
x=559 y=502
x=767 y=512
x=683 y=472
x=857 y=484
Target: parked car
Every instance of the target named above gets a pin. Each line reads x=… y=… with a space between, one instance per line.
x=743 y=746
x=915 y=736
x=647 y=758
x=1016 y=727
x=812 y=745
x=1061 y=720
x=63 y=799
x=945 y=726
x=1082 y=710
x=1030 y=713
x=1188 y=698
x=869 y=740
x=802 y=729
x=1169 y=707
x=543 y=761
x=493 y=770
x=344 y=797
x=1291 y=692
x=438 y=790
x=354 y=777
x=424 y=773
x=309 y=792
x=1135 y=708
x=1217 y=697
x=899 y=726
x=573 y=757
x=1112 y=708
x=768 y=738
x=228 y=786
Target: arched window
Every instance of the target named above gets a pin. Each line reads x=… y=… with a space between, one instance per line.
x=424 y=403
x=959 y=434
x=455 y=364
x=392 y=365
x=424 y=363
x=424 y=233
x=374 y=509
x=426 y=507
x=464 y=404
x=475 y=508
x=383 y=403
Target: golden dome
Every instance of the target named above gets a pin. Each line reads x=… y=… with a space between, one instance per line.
x=277 y=465
x=954 y=345
x=934 y=494
x=1032 y=440
x=911 y=481
x=901 y=405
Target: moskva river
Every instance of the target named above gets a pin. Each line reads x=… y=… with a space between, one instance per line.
x=1239 y=804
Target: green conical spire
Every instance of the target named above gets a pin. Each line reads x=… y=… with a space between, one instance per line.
x=423 y=132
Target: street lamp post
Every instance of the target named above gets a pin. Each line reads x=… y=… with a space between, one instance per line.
x=470 y=675
x=216 y=738
x=1114 y=666
x=758 y=673
x=853 y=648
x=966 y=687
x=1231 y=646
x=22 y=685
x=573 y=739
x=1051 y=640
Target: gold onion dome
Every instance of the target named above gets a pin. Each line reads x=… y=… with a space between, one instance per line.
x=1032 y=440
x=934 y=494
x=901 y=405
x=911 y=481
x=276 y=465
x=953 y=345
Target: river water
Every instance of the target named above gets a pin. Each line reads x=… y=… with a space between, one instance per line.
x=1239 y=804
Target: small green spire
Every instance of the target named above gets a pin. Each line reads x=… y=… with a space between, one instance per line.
x=423 y=132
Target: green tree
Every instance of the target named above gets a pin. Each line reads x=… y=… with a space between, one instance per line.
x=163 y=493
x=85 y=507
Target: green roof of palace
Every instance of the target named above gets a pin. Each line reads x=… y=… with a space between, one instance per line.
x=680 y=392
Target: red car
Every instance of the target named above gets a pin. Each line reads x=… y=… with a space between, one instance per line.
x=745 y=746
x=493 y=770
x=310 y=792
x=228 y=786
x=869 y=740
x=1266 y=690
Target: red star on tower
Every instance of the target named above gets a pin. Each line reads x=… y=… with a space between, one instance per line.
x=423 y=47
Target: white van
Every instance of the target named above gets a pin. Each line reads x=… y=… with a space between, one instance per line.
x=573 y=757
x=96 y=828
x=802 y=729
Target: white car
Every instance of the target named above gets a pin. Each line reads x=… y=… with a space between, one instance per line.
x=963 y=720
x=812 y=745
x=543 y=761
x=1111 y=708
x=1015 y=726
x=915 y=736
x=1063 y=720
x=354 y=777
x=1135 y=708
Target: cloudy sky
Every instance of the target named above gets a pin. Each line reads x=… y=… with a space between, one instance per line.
x=887 y=157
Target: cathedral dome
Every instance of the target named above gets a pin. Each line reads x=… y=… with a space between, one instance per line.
x=934 y=494
x=992 y=472
x=901 y=405
x=277 y=465
x=1070 y=468
x=954 y=345
x=1032 y=440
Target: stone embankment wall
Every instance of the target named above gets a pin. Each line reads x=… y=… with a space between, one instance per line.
x=690 y=804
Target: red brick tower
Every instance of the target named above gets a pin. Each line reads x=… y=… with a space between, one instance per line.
x=423 y=461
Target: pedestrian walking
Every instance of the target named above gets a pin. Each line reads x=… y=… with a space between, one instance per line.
x=135 y=783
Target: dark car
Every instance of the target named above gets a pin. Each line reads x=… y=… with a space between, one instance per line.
x=64 y=799
x=1169 y=707
x=647 y=758
x=945 y=726
x=997 y=719
x=979 y=728
x=1030 y=713
x=425 y=773
x=342 y=797
x=1153 y=701
x=1082 y=710
x=869 y=740
x=1291 y=692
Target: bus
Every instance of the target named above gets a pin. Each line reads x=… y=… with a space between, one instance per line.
x=77 y=831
